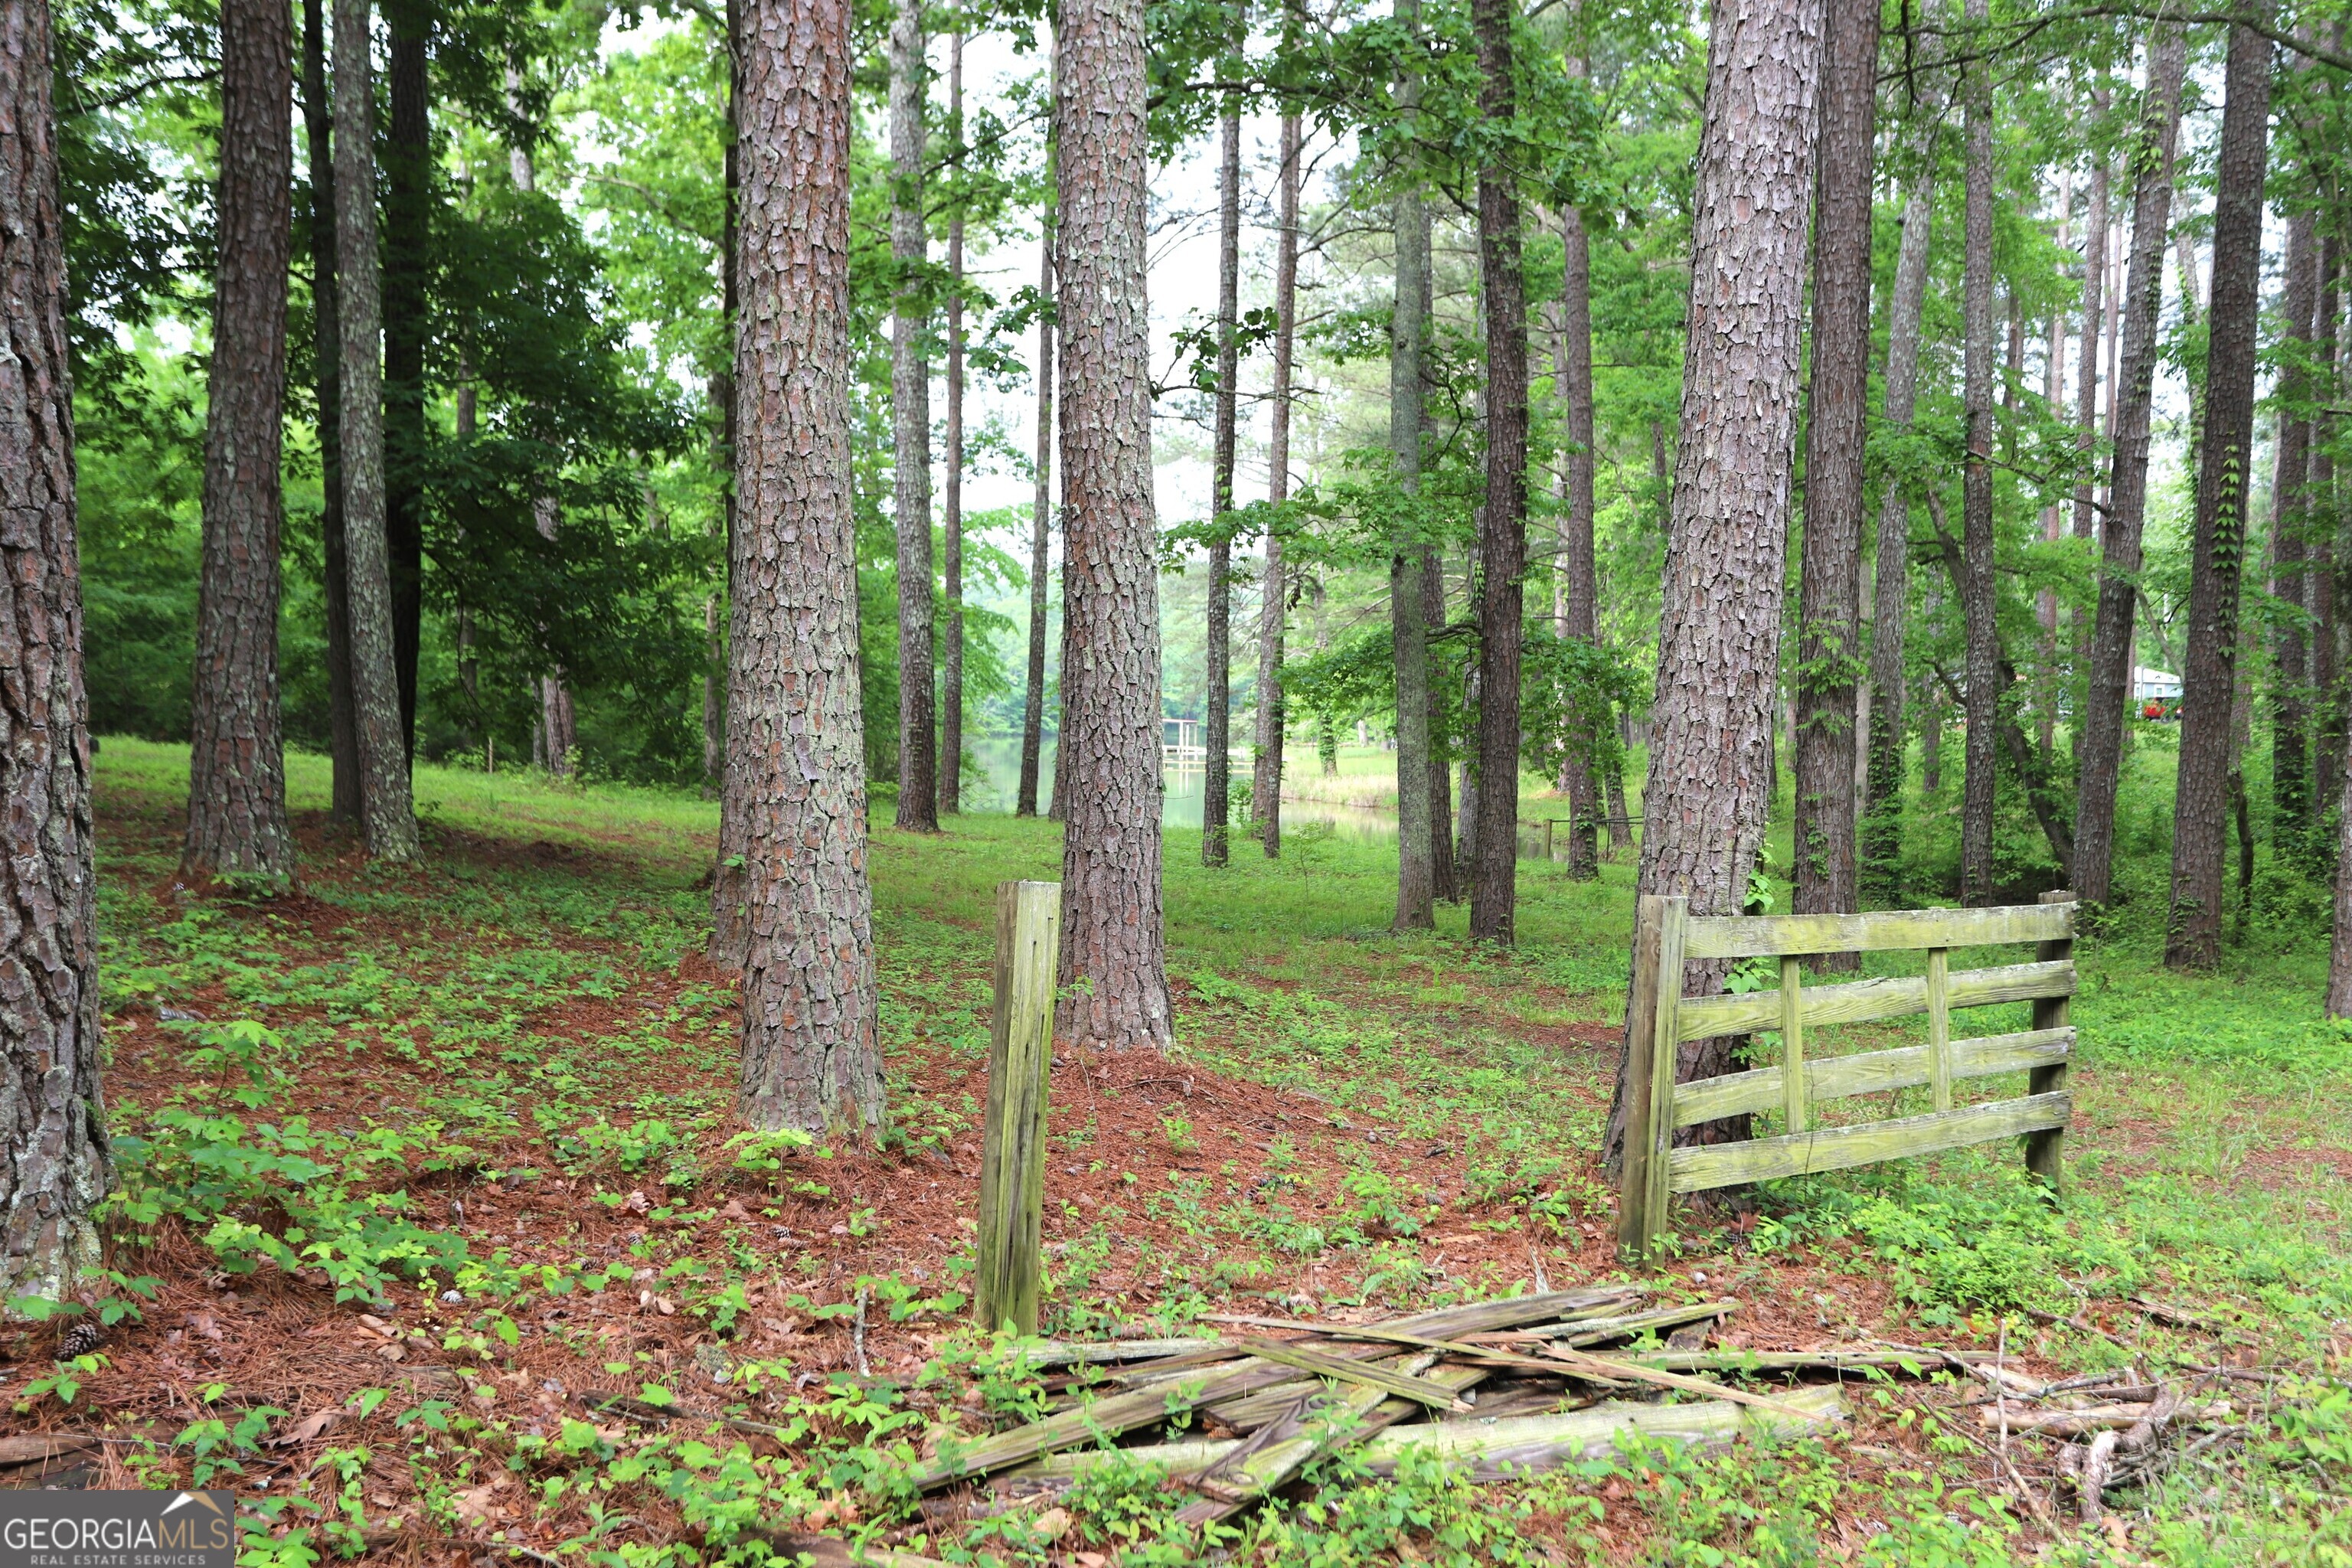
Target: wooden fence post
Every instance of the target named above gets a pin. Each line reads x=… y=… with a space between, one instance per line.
x=1652 y=1019
x=1013 y=1149
x=2046 y=1151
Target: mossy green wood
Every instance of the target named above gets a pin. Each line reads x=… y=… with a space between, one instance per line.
x=1013 y=1148
x=1753 y=936
x=1715 y=1165
x=1658 y=1134
x=2046 y=1149
x=1868 y=1001
x=1792 y=1048
x=1873 y=1072
x=1642 y=1084
x=1370 y=1375
x=1939 y=1027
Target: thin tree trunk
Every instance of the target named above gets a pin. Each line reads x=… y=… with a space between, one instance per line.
x=386 y=805
x=1443 y=864
x=1710 y=731
x=728 y=911
x=1409 y=610
x=342 y=722
x=559 y=741
x=2290 y=713
x=714 y=703
x=1503 y=534
x=1265 y=773
x=951 y=529
x=2087 y=395
x=2193 y=926
x=54 y=1162
x=1881 y=827
x=1041 y=517
x=1216 y=707
x=2053 y=398
x=407 y=176
x=1976 y=587
x=1580 y=601
x=236 y=785
x=2098 y=746
x=1829 y=641
x=910 y=411
x=1113 y=939
x=2332 y=558
x=794 y=717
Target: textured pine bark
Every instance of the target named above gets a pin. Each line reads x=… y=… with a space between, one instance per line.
x=1503 y=529
x=1217 y=706
x=2086 y=407
x=2098 y=744
x=1727 y=540
x=2290 y=710
x=236 y=783
x=1829 y=639
x=1418 y=770
x=53 y=1149
x=318 y=119
x=1113 y=941
x=2216 y=559
x=952 y=529
x=910 y=415
x=795 y=726
x=1982 y=694
x=1265 y=772
x=407 y=207
x=385 y=808
x=1579 y=602
x=1041 y=516
x=1882 y=823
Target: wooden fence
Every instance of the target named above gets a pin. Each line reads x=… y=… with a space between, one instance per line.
x=1664 y=1019
x=1012 y=1139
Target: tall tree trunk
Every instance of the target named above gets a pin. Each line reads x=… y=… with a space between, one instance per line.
x=1409 y=609
x=386 y=805
x=1580 y=605
x=1829 y=639
x=2099 y=748
x=910 y=414
x=1445 y=867
x=1216 y=708
x=558 y=736
x=2289 y=711
x=2331 y=573
x=2193 y=926
x=1710 y=730
x=1503 y=534
x=318 y=119
x=53 y=1147
x=1977 y=588
x=2053 y=398
x=714 y=702
x=1265 y=773
x=237 y=785
x=1113 y=940
x=408 y=174
x=1041 y=516
x=2087 y=395
x=951 y=531
x=1881 y=827
x=794 y=717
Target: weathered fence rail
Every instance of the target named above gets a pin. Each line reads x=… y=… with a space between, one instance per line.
x=1667 y=936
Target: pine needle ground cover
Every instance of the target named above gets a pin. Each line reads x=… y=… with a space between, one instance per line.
x=433 y=1234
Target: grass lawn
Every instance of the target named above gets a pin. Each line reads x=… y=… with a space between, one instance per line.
x=416 y=1169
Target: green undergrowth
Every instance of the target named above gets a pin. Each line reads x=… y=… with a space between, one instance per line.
x=528 y=1008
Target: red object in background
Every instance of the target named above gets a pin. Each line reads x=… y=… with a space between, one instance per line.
x=2154 y=710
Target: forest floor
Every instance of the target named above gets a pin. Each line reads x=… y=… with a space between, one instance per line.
x=417 y=1168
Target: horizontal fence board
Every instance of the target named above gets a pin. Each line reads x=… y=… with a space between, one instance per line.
x=1752 y=936
x=1873 y=1072
x=1713 y=1165
x=1703 y=1017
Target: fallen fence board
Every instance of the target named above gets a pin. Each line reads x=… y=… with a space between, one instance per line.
x=1700 y=1168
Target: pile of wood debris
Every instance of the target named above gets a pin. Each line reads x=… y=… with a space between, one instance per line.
x=1506 y=1388
x=2117 y=1421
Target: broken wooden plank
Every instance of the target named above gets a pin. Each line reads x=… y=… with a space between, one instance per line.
x=1700 y=1169
x=1615 y=1367
x=1780 y=1361
x=1577 y=1434
x=1053 y=1354
x=1370 y=1375
x=1253 y=1411
x=2098 y=1418
x=1599 y=1331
